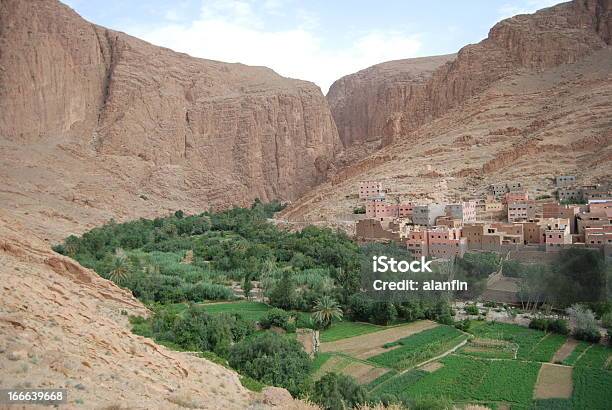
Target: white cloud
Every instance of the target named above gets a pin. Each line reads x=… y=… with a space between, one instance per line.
x=234 y=31
x=526 y=7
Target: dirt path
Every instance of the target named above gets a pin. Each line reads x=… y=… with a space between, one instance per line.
x=553 y=382
x=371 y=344
x=565 y=350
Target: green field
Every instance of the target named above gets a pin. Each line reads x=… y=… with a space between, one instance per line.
x=532 y=344
x=386 y=384
x=345 y=329
x=252 y=311
x=419 y=347
x=464 y=379
x=592 y=388
x=486 y=348
x=578 y=350
x=597 y=357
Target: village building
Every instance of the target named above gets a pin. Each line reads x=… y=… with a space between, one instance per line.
x=416 y=242
x=377 y=209
x=449 y=222
x=565 y=180
x=371 y=189
x=445 y=242
x=569 y=212
x=596 y=218
x=557 y=234
x=436 y=242
x=377 y=230
x=521 y=211
x=426 y=214
x=516 y=196
x=598 y=236
x=464 y=211
x=569 y=194
x=498 y=190
x=494 y=237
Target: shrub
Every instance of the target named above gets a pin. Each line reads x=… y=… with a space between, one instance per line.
x=338 y=392
x=273 y=360
x=463 y=324
x=471 y=310
x=275 y=317
x=538 y=323
x=588 y=335
x=383 y=313
x=586 y=325
x=558 y=326
x=359 y=210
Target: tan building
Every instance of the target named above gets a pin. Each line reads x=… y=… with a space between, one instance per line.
x=376 y=230
x=598 y=236
x=557 y=234
x=597 y=218
x=521 y=211
x=555 y=210
x=437 y=242
x=371 y=189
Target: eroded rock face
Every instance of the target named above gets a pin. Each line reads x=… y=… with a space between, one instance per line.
x=367 y=103
x=387 y=101
x=238 y=132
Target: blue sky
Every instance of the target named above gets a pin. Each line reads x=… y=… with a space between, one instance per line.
x=315 y=40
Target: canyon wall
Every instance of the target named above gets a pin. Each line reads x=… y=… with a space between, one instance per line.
x=380 y=104
x=237 y=132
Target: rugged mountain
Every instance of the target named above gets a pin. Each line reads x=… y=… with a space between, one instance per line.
x=363 y=102
x=531 y=101
x=152 y=123
x=95 y=124
x=389 y=100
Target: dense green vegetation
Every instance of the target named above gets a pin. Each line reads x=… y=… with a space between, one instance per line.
x=338 y=392
x=532 y=344
x=182 y=268
x=465 y=379
x=419 y=347
x=592 y=388
x=272 y=359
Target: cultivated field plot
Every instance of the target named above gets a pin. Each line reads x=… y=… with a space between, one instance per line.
x=592 y=388
x=251 y=311
x=363 y=372
x=578 y=351
x=420 y=347
x=468 y=380
x=368 y=345
x=396 y=385
x=490 y=348
x=532 y=344
x=565 y=351
x=595 y=356
x=345 y=329
x=554 y=382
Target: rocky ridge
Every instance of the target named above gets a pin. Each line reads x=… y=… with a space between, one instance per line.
x=211 y=133
x=379 y=104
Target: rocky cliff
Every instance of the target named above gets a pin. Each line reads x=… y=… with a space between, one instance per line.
x=532 y=101
x=232 y=132
x=384 y=102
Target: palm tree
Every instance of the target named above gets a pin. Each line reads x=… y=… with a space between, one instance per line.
x=326 y=309
x=121 y=267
